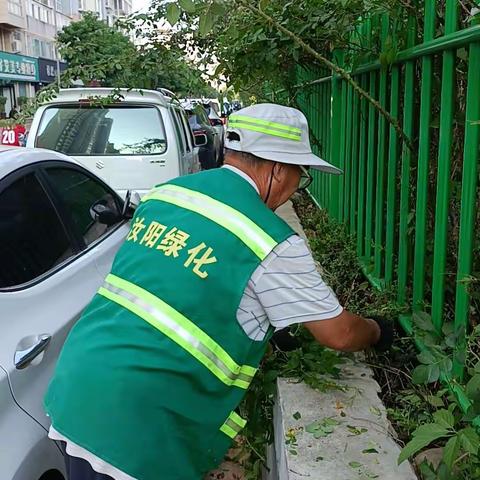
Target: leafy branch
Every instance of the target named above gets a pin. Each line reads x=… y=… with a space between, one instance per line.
x=334 y=68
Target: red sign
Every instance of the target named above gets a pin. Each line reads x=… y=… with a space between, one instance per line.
x=13 y=136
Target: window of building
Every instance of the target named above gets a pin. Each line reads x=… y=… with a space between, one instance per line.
x=15 y=7
x=36 y=47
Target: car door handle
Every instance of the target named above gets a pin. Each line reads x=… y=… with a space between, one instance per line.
x=24 y=357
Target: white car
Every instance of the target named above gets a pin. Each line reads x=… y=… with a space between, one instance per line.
x=60 y=227
x=133 y=143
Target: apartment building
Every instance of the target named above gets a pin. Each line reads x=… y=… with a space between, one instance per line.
x=27 y=40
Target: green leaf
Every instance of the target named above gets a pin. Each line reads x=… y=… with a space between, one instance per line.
x=426 y=357
x=435 y=401
x=425 y=374
x=355 y=464
x=423 y=321
x=264 y=4
x=187 y=5
x=450 y=452
x=470 y=440
x=423 y=436
x=297 y=416
x=473 y=388
x=444 y=418
x=173 y=13
x=206 y=23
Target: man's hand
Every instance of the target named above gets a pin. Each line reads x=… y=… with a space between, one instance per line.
x=347 y=332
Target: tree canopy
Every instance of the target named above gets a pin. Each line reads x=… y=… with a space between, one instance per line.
x=97 y=52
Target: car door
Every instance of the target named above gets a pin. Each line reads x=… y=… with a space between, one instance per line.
x=49 y=273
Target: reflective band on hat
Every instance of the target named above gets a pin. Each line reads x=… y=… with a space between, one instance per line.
x=227 y=217
x=179 y=329
x=233 y=425
x=264 y=126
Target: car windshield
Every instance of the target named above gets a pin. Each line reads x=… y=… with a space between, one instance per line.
x=119 y=130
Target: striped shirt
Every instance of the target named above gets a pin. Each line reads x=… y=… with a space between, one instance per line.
x=285 y=289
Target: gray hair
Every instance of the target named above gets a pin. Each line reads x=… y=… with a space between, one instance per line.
x=247 y=158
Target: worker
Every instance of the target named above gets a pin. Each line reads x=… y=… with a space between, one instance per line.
x=149 y=380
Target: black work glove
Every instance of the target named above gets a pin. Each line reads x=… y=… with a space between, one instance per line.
x=387 y=334
x=284 y=341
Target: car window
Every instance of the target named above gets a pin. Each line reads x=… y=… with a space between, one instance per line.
x=196 y=121
x=185 y=129
x=122 y=130
x=80 y=193
x=188 y=127
x=202 y=115
x=32 y=239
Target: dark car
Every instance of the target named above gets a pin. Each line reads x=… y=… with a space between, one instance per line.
x=209 y=154
x=217 y=123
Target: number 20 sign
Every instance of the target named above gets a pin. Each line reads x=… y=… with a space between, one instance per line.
x=12 y=136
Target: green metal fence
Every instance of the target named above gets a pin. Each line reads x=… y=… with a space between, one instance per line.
x=413 y=211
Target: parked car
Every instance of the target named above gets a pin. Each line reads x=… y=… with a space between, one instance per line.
x=60 y=227
x=132 y=143
x=217 y=123
x=209 y=154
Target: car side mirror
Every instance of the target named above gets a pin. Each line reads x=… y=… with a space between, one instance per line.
x=200 y=140
x=104 y=215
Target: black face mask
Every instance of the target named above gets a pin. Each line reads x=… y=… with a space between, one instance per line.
x=270 y=184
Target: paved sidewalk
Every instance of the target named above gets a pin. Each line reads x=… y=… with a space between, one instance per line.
x=361 y=445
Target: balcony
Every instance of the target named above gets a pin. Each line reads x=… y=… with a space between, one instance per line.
x=40 y=28
x=12 y=15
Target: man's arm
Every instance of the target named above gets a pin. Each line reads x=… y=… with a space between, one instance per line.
x=346 y=332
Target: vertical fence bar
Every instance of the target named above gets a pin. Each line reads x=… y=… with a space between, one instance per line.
x=443 y=172
x=469 y=195
x=392 y=178
x=423 y=160
x=328 y=116
x=408 y=104
x=341 y=190
x=318 y=133
x=361 y=172
x=347 y=174
x=370 y=171
x=336 y=136
x=380 y=177
x=324 y=121
x=354 y=162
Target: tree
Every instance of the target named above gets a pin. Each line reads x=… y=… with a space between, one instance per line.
x=97 y=52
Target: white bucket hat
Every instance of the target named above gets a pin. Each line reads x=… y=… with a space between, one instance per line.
x=276 y=133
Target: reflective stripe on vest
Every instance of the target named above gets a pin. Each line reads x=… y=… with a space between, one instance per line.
x=227 y=217
x=233 y=425
x=264 y=126
x=179 y=329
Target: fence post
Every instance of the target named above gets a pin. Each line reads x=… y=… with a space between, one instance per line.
x=336 y=137
x=423 y=160
x=467 y=212
x=443 y=166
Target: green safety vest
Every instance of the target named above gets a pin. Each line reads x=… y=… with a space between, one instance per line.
x=150 y=376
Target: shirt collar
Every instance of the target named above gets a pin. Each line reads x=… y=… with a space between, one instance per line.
x=242 y=174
